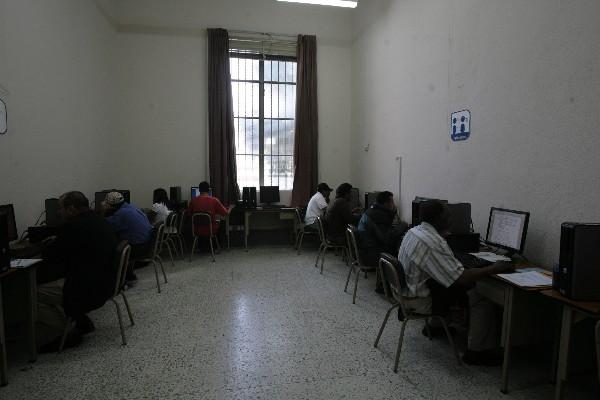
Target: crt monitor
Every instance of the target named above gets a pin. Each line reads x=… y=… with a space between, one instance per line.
x=9 y=211
x=416 y=208
x=269 y=194
x=507 y=229
x=194 y=192
x=370 y=198
x=460 y=218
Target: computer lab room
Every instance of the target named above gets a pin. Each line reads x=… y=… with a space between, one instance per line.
x=300 y=199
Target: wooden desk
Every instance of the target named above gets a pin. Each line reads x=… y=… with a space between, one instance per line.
x=571 y=310
x=260 y=210
x=31 y=318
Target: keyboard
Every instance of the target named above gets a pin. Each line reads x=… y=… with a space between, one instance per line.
x=28 y=251
x=470 y=261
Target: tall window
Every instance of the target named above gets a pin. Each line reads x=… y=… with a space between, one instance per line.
x=264 y=108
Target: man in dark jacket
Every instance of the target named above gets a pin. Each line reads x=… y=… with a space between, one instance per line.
x=340 y=214
x=85 y=248
x=377 y=232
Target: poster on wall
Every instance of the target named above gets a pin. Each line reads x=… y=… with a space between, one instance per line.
x=3 y=117
x=460 y=125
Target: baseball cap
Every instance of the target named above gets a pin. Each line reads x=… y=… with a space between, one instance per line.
x=114 y=198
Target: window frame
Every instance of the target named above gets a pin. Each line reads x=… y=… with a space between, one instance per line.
x=261 y=104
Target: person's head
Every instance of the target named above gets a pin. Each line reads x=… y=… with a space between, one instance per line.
x=344 y=191
x=160 y=196
x=113 y=201
x=73 y=203
x=386 y=199
x=204 y=187
x=324 y=189
x=435 y=213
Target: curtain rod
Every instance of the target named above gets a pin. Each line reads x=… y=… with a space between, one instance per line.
x=261 y=33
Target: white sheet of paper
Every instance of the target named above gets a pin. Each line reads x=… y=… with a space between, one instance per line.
x=528 y=279
x=24 y=262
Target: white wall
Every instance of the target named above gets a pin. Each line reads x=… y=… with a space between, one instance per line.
x=57 y=62
x=163 y=85
x=529 y=73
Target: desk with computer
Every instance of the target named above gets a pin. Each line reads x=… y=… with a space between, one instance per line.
x=574 y=285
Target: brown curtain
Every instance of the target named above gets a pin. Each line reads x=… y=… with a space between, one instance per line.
x=221 y=131
x=306 y=150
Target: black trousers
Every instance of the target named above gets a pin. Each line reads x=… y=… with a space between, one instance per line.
x=443 y=298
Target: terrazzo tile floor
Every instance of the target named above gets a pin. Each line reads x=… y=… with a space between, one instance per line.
x=261 y=325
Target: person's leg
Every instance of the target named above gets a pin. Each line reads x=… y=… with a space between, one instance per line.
x=442 y=299
x=483 y=335
x=51 y=315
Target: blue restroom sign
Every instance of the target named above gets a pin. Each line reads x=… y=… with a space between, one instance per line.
x=460 y=125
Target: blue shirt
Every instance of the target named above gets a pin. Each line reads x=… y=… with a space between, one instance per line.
x=131 y=224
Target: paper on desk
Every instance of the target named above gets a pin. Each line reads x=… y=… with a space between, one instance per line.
x=528 y=279
x=491 y=257
x=24 y=262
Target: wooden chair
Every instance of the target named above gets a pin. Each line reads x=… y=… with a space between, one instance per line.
x=393 y=279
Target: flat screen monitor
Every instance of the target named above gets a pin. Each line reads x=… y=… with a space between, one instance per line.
x=194 y=192
x=9 y=211
x=269 y=194
x=354 y=198
x=507 y=229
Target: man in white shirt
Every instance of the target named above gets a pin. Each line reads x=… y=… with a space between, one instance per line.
x=317 y=205
x=436 y=280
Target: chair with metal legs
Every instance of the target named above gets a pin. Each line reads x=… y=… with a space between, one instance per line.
x=356 y=265
x=121 y=262
x=202 y=219
x=327 y=245
x=301 y=231
x=392 y=275
x=154 y=256
x=171 y=224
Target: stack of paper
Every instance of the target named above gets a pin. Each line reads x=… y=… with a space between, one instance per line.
x=528 y=279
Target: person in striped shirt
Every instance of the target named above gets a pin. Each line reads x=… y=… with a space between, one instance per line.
x=435 y=280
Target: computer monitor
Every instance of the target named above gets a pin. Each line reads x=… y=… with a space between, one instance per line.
x=194 y=192
x=460 y=218
x=507 y=229
x=53 y=217
x=370 y=198
x=354 y=198
x=269 y=194
x=416 y=208
x=9 y=211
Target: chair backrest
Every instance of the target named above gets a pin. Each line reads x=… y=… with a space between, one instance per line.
x=159 y=231
x=121 y=262
x=171 y=222
x=182 y=214
x=201 y=219
x=352 y=246
x=320 y=227
x=392 y=276
x=298 y=217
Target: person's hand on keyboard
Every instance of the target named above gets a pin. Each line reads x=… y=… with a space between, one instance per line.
x=503 y=267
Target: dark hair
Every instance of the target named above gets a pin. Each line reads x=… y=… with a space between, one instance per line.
x=431 y=210
x=160 y=196
x=384 y=197
x=343 y=189
x=75 y=199
x=204 y=187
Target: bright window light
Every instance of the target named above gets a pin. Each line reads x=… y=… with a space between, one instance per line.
x=336 y=3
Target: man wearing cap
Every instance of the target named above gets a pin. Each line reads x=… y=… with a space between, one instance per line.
x=317 y=205
x=131 y=224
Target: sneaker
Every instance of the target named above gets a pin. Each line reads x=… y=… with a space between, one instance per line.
x=84 y=324
x=483 y=358
x=73 y=340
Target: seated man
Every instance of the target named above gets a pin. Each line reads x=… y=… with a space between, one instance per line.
x=205 y=202
x=317 y=206
x=131 y=224
x=86 y=248
x=376 y=231
x=436 y=280
x=339 y=215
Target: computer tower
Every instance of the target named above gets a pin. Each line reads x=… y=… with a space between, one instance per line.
x=249 y=197
x=460 y=218
x=4 y=244
x=175 y=194
x=416 y=208
x=579 y=261
x=53 y=217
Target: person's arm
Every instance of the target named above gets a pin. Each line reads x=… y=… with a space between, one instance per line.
x=322 y=203
x=220 y=208
x=470 y=276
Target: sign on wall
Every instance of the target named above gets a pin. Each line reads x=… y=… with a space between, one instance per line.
x=460 y=125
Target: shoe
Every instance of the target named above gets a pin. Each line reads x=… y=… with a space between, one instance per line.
x=437 y=331
x=484 y=358
x=400 y=314
x=73 y=340
x=379 y=290
x=84 y=324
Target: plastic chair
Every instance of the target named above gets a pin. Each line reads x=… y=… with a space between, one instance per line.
x=202 y=219
x=393 y=279
x=121 y=262
x=326 y=245
x=356 y=265
x=301 y=231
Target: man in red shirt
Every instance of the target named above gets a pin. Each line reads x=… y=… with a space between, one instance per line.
x=208 y=204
